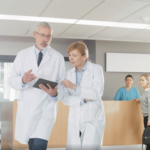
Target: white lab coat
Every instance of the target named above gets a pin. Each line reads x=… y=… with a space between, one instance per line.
x=88 y=118
x=36 y=111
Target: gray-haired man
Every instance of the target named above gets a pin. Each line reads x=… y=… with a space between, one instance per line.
x=36 y=112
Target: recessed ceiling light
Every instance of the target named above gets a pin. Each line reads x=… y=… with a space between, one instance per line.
x=37 y=19
x=113 y=24
x=145 y=19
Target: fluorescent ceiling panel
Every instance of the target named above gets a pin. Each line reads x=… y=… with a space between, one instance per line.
x=74 y=21
x=39 y=19
x=113 y=24
x=148 y=28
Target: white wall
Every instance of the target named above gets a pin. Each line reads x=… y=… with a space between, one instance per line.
x=12 y=45
x=115 y=80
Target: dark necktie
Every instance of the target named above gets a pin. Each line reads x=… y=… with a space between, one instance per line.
x=40 y=58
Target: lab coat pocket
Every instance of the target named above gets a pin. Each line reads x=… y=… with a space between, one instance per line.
x=19 y=110
x=95 y=110
x=50 y=73
x=95 y=104
x=50 y=110
x=95 y=113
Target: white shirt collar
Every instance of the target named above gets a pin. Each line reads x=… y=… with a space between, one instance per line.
x=83 y=69
x=38 y=51
x=146 y=89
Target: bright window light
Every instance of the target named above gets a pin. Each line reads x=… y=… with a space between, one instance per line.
x=37 y=19
x=113 y=24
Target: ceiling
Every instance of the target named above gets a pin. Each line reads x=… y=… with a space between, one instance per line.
x=126 y=11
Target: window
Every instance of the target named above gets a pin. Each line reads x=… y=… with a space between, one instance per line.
x=6 y=92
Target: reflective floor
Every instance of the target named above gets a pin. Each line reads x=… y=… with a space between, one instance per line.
x=127 y=147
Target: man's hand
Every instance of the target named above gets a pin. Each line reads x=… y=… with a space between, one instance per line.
x=68 y=84
x=28 y=77
x=49 y=90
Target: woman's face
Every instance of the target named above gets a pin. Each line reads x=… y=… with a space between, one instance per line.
x=129 y=81
x=143 y=81
x=76 y=59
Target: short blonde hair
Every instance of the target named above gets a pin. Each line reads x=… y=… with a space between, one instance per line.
x=81 y=47
x=147 y=77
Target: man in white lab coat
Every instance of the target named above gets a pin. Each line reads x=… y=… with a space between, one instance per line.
x=36 y=111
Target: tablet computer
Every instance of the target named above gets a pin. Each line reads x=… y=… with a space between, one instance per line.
x=44 y=82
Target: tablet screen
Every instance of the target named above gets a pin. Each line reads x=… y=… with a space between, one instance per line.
x=44 y=82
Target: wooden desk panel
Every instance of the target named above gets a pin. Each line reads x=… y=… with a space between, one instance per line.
x=124 y=125
x=58 y=136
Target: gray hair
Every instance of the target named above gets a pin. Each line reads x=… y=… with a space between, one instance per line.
x=45 y=25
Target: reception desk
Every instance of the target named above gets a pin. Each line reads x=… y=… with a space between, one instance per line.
x=124 y=125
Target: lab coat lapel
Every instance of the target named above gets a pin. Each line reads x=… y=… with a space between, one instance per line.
x=87 y=71
x=73 y=76
x=46 y=57
x=33 y=58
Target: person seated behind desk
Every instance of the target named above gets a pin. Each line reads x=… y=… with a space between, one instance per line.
x=128 y=92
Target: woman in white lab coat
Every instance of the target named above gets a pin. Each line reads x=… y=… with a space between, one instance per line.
x=83 y=90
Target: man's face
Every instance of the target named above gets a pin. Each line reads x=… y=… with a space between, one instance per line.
x=42 y=37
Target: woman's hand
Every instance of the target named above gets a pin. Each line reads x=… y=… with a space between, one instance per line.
x=136 y=100
x=86 y=100
x=148 y=123
x=68 y=84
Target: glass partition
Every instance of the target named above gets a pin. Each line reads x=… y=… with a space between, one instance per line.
x=6 y=92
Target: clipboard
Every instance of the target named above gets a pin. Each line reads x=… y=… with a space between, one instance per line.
x=45 y=82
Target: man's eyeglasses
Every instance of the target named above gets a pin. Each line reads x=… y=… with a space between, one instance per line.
x=43 y=35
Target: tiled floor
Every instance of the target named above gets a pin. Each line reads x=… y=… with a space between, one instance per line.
x=128 y=147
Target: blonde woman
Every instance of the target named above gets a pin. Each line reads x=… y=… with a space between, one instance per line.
x=84 y=87
x=145 y=100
